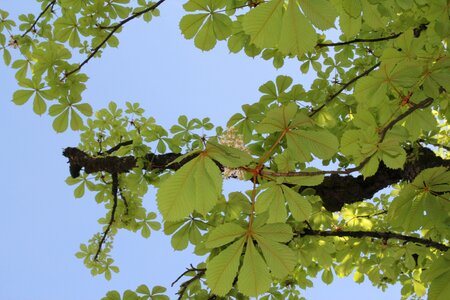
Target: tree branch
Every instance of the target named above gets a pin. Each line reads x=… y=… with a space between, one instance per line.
x=374 y=234
x=336 y=190
x=49 y=6
x=345 y=86
x=113 y=30
x=185 y=285
x=114 y=188
x=322 y=45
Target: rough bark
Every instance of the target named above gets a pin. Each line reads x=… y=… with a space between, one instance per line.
x=335 y=190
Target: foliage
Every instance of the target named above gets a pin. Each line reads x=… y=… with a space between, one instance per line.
x=379 y=102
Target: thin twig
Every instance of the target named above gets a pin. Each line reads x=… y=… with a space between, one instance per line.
x=118 y=146
x=50 y=5
x=423 y=104
x=114 y=29
x=322 y=45
x=114 y=188
x=345 y=86
x=375 y=234
x=185 y=285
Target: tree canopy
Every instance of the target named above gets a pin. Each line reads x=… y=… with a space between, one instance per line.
x=316 y=161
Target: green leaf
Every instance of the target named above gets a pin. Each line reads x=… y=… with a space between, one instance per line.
x=439 y=288
x=327 y=276
x=222 y=269
x=79 y=191
x=61 y=122
x=76 y=123
x=321 y=13
x=277 y=232
x=84 y=108
x=205 y=38
x=254 y=278
x=350 y=26
x=190 y=24
x=228 y=156
x=263 y=23
x=180 y=239
x=273 y=201
x=277 y=119
x=298 y=205
x=21 y=97
x=224 y=234
x=297 y=35
x=197 y=185
x=303 y=143
x=143 y=289
x=280 y=258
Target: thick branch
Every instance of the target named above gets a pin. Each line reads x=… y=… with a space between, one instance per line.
x=113 y=30
x=378 y=235
x=335 y=191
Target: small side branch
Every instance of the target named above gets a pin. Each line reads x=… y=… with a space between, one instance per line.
x=118 y=146
x=199 y=274
x=345 y=86
x=380 y=39
x=49 y=6
x=378 y=235
x=113 y=30
x=114 y=190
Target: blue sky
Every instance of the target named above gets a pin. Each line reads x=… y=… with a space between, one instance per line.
x=43 y=224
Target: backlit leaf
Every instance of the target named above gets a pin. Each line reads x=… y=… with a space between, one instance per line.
x=222 y=269
x=254 y=278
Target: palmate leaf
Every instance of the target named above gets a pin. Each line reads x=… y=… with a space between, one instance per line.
x=195 y=186
x=222 y=269
x=303 y=143
x=207 y=27
x=254 y=277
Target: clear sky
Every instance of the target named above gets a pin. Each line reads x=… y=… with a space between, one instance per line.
x=43 y=224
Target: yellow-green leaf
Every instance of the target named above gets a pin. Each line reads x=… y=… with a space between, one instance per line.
x=280 y=258
x=297 y=34
x=303 y=143
x=254 y=278
x=61 y=122
x=222 y=269
x=224 y=234
x=21 y=97
x=320 y=12
x=278 y=232
x=197 y=185
x=298 y=205
x=263 y=23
